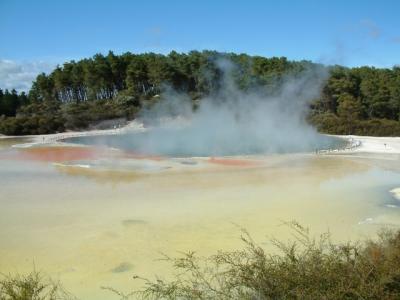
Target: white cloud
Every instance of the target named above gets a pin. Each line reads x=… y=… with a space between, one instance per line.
x=19 y=75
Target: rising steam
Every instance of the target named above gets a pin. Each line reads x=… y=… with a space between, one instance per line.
x=233 y=121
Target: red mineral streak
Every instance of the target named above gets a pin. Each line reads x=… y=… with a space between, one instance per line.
x=56 y=154
x=60 y=154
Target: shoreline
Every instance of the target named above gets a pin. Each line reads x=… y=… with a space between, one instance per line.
x=357 y=144
x=41 y=139
x=375 y=145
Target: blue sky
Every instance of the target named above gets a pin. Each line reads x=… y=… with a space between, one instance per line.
x=38 y=34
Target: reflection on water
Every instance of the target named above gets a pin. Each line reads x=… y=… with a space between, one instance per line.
x=97 y=226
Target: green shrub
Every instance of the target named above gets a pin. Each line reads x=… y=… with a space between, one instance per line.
x=33 y=286
x=307 y=268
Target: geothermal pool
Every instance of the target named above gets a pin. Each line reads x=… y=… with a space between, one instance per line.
x=94 y=216
x=174 y=143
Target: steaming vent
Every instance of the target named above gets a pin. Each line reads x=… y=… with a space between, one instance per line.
x=231 y=121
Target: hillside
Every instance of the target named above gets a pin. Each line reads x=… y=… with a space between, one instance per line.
x=79 y=94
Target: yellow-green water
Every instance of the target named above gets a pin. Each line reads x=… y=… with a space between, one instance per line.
x=91 y=228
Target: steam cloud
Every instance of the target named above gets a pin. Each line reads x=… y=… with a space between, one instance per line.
x=234 y=121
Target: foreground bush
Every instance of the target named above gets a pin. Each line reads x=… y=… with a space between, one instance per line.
x=33 y=286
x=305 y=269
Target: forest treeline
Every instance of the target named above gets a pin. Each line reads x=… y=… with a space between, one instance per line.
x=80 y=94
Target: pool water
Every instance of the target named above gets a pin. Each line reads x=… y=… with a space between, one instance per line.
x=174 y=143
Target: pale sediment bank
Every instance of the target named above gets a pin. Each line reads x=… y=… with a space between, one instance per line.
x=371 y=144
x=396 y=193
x=41 y=139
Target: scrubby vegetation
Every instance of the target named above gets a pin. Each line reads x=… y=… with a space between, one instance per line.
x=306 y=268
x=363 y=100
x=33 y=286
